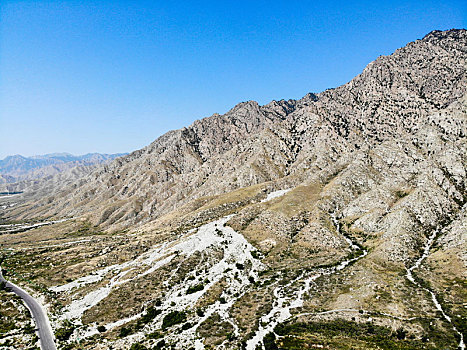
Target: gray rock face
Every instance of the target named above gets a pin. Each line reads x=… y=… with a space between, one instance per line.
x=403 y=100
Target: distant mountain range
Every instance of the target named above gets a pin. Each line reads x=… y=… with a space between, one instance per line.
x=17 y=167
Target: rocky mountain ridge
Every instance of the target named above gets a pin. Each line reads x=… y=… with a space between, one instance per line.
x=252 y=144
x=333 y=221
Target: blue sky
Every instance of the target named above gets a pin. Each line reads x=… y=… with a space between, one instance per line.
x=112 y=76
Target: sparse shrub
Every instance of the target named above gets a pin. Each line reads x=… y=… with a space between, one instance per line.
x=124 y=331
x=270 y=342
x=240 y=266
x=28 y=329
x=173 y=318
x=154 y=335
x=401 y=193
x=195 y=288
x=71 y=346
x=379 y=336
x=200 y=312
x=101 y=329
x=138 y=346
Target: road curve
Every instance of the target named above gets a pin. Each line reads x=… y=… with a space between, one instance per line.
x=40 y=317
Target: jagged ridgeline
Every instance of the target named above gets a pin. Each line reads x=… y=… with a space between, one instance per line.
x=335 y=221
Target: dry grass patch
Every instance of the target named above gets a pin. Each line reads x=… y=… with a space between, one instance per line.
x=249 y=308
x=215 y=331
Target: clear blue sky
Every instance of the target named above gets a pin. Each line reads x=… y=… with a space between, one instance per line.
x=112 y=76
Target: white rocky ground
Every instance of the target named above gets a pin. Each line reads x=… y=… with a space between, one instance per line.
x=12 y=228
x=215 y=235
x=212 y=236
x=275 y=194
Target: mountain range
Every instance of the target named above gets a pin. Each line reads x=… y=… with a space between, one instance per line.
x=337 y=221
x=27 y=170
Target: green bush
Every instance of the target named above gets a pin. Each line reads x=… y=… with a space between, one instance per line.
x=151 y=313
x=239 y=266
x=65 y=332
x=138 y=346
x=195 y=288
x=186 y=326
x=401 y=333
x=124 y=331
x=160 y=345
x=269 y=342
x=173 y=318
x=200 y=312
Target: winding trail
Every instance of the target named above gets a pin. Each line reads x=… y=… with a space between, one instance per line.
x=43 y=329
x=410 y=277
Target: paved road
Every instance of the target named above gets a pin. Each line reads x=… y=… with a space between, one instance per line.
x=40 y=317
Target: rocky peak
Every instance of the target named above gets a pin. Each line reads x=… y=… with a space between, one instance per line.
x=442 y=37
